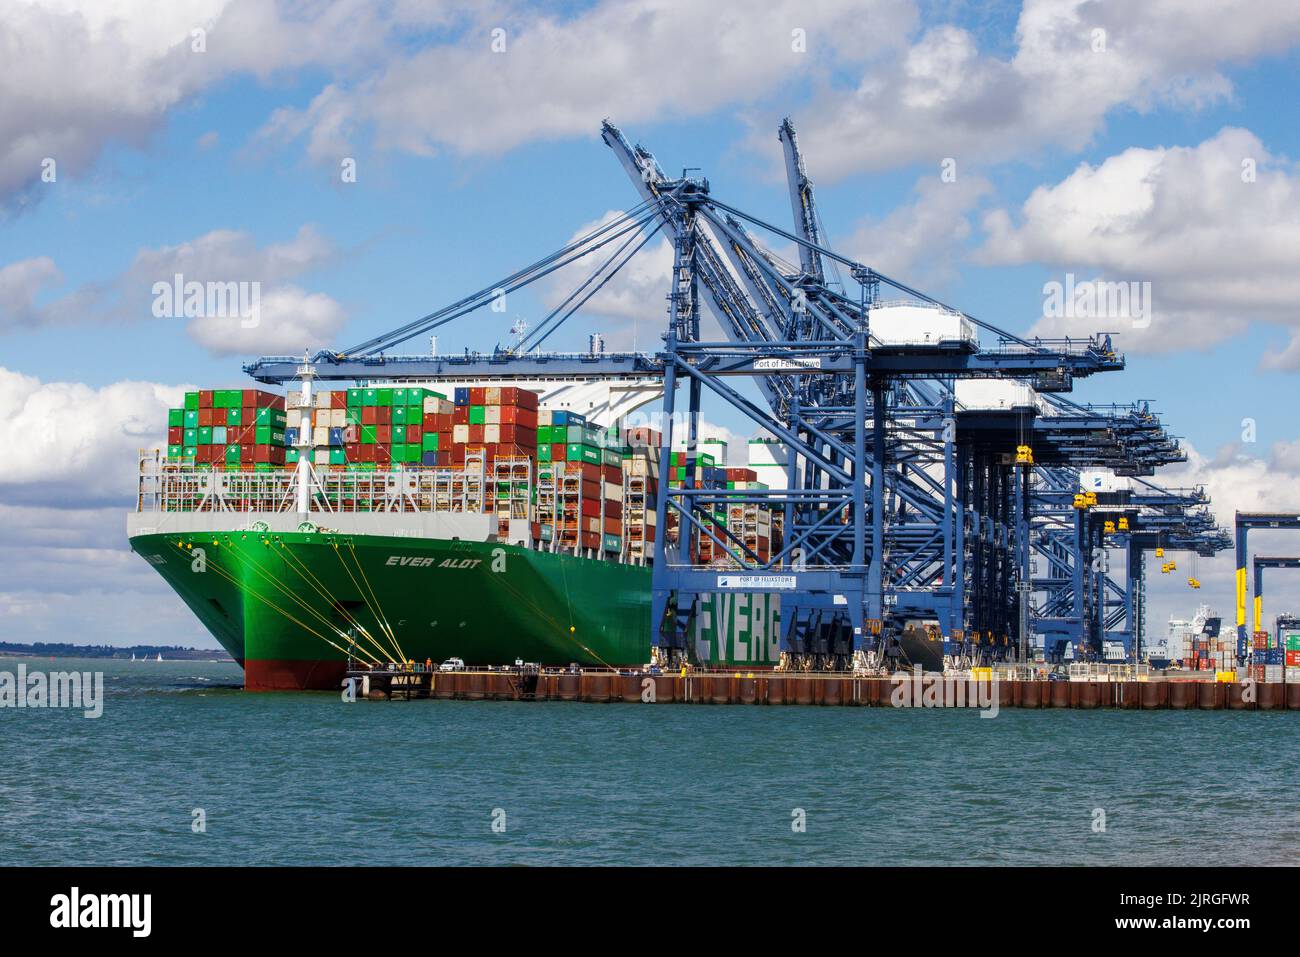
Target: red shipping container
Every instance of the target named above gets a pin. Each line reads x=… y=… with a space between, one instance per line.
x=383 y=415
x=430 y=422
x=444 y=458
x=523 y=398
x=458 y=454
x=513 y=416
x=205 y=398
x=518 y=435
x=478 y=396
x=264 y=454
x=353 y=452
x=613 y=526
x=206 y=417
x=591 y=507
x=475 y=435
x=366 y=453
x=1293 y=659
x=339 y=399
x=176 y=435
x=351 y=434
x=370 y=415
x=591 y=540
x=414 y=433
x=383 y=434
x=613 y=474
x=444 y=441
x=245 y=455
x=247 y=415
x=383 y=454
x=613 y=509
x=460 y=416
x=558 y=452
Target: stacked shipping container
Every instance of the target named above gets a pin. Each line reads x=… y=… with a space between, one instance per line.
x=234 y=429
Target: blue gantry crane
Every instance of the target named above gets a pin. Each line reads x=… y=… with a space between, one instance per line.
x=933 y=459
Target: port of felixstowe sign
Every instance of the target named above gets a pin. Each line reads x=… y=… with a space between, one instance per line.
x=757 y=582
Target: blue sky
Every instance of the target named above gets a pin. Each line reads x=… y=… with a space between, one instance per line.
x=460 y=182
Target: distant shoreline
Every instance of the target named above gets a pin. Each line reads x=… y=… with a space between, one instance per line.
x=10 y=649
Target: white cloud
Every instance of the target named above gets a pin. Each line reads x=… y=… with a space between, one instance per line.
x=1219 y=252
x=289 y=319
x=634 y=60
x=20 y=283
x=920 y=242
x=940 y=97
x=73 y=446
x=78 y=75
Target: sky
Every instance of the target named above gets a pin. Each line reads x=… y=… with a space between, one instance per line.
x=367 y=161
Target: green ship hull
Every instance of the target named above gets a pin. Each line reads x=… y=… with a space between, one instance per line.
x=292 y=607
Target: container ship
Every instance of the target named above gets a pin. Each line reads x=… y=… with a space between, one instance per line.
x=418 y=522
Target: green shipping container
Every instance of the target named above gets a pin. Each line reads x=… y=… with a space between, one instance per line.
x=354 y=398
x=191 y=418
x=263 y=467
x=370 y=397
x=575 y=452
x=234 y=417
x=190 y=451
x=613 y=543
x=205 y=435
x=368 y=434
x=191 y=402
x=175 y=418
x=477 y=415
x=338 y=457
x=414 y=414
x=175 y=451
x=399 y=415
x=384 y=398
x=268 y=435
x=544 y=453
x=272 y=417
x=191 y=436
x=429 y=442
x=290 y=455
x=1291 y=641
x=232 y=454
x=399 y=432
x=399 y=398
x=353 y=415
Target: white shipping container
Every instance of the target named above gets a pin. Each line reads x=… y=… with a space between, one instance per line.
x=338 y=418
x=491 y=433
x=321 y=400
x=321 y=436
x=492 y=395
x=322 y=456
x=543 y=416
x=613 y=492
x=492 y=414
x=460 y=434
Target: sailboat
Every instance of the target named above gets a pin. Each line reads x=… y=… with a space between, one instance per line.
x=133 y=656
x=160 y=656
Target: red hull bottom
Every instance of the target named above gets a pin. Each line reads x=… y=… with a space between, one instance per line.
x=278 y=674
